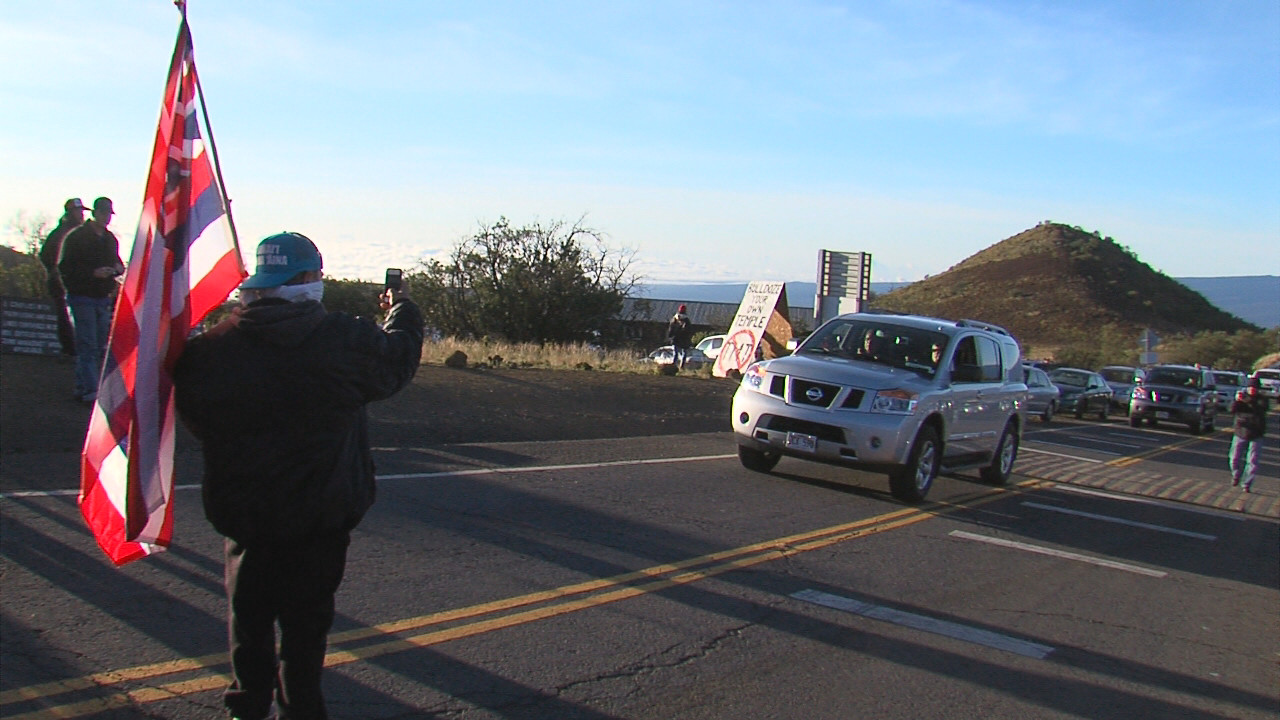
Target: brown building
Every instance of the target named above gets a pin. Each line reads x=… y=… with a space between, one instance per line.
x=644 y=320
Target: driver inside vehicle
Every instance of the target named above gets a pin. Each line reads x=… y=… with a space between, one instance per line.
x=875 y=345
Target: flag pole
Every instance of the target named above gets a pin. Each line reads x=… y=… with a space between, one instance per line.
x=204 y=111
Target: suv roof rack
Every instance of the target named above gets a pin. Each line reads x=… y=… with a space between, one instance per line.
x=983 y=325
x=881 y=311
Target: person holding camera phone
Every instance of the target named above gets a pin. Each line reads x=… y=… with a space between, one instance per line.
x=1250 y=411
x=276 y=394
x=393 y=282
x=89 y=264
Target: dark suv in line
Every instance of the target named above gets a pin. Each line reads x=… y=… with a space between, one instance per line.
x=1177 y=393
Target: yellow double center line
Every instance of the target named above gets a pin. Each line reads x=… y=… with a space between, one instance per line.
x=485 y=617
x=1130 y=460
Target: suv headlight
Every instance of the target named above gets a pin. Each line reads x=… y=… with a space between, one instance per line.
x=753 y=378
x=899 y=402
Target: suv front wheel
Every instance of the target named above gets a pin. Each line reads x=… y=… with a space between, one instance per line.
x=911 y=482
x=1202 y=425
x=1001 y=467
x=756 y=460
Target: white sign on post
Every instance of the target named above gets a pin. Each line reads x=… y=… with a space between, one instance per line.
x=748 y=327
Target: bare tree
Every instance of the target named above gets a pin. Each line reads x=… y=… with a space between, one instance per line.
x=24 y=276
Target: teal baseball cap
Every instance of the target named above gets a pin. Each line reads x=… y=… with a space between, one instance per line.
x=282 y=256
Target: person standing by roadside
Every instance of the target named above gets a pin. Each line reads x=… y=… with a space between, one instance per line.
x=680 y=332
x=72 y=218
x=276 y=395
x=89 y=265
x=1250 y=411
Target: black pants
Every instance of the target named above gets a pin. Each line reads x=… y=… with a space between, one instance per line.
x=292 y=585
x=66 y=333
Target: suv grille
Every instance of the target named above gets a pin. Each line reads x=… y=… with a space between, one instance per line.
x=805 y=392
x=829 y=433
x=800 y=391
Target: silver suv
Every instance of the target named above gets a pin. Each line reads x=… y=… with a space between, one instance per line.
x=908 y=395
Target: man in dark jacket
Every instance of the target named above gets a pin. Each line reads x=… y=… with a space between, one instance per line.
x=89 y=264
x=72 y=218
x=276 y=395
x=1250 y=411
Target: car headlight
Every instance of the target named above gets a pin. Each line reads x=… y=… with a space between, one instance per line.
x=753 y=378
x=900 y=402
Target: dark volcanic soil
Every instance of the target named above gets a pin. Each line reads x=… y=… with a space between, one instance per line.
x=38 y=414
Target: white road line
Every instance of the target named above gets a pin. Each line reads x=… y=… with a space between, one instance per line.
x=927 y=624
x=447 y=473
x=1114 y=565
x=1170 y=504
x=1075 y=447
x=1127 y=436
x=545 y=468
x=1121 y=521
x=66 y=493
x=1024 y=448
x=1112 y=442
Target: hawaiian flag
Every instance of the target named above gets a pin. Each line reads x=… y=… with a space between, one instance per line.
x=184 y=263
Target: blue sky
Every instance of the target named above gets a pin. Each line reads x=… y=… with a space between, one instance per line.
x=719 y=141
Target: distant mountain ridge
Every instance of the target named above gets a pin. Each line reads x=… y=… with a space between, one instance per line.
x=1252 y=298
x=1050 y=282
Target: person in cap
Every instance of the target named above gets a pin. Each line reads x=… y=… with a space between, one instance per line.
x=89 y=264
x=680 y=333
x=276 y=395
x=1250 y=411
x=72 y=218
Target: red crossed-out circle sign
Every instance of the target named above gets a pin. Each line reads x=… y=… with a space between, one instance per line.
x=738 y=352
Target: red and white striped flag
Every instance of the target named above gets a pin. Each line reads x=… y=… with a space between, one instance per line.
x=184 y=263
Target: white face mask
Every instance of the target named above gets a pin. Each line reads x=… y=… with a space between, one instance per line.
x=292 y=293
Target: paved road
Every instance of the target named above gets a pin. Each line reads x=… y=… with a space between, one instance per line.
x=1161 y=462
x=657 y=578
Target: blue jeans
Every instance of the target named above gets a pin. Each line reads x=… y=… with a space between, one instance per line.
x=1244 y=460
x=92 y=320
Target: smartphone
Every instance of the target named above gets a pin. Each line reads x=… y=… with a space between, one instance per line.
x=393 y=278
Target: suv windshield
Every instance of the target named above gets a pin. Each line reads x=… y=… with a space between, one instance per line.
x=885 y=344
x=1070 y=378
x=1173 y=377
x=1117 y=375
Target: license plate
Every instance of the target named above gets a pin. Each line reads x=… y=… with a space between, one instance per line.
x=1162 y=415
x=800 y=441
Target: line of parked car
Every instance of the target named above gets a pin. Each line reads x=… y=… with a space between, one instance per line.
x=1185 y=394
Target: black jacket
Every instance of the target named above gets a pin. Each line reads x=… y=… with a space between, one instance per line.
x=52 y=249
x=84 y=251
x=1250 y=417
x=278 y=404
x=680 y=331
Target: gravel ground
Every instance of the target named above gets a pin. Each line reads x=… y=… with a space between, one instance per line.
x=443 y=405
